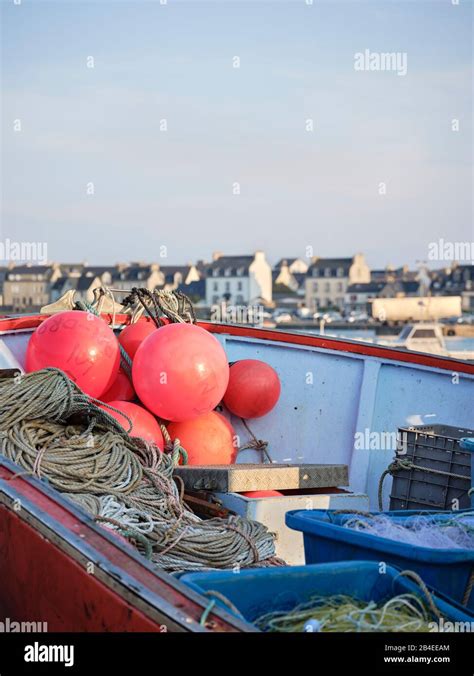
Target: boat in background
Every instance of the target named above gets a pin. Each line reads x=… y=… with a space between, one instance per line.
x=426 y=337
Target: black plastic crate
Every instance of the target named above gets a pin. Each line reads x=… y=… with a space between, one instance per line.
x=432 y=447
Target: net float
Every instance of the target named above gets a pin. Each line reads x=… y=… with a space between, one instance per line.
x=120 y=390
x=208 y=439
x=180 y=372
x=253 y=390
x=132 y=336
x=80 y=344
x=144 y=425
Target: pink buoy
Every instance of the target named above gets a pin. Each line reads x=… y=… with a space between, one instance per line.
x=208 y=440
x=120 y=390
x=132 y=336
x=180 y=372
x=80 y=344
x=144 y=425
x=253 y=390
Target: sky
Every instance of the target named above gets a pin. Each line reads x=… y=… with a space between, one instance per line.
x=165 y=151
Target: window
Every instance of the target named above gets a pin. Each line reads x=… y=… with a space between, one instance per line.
x=227 y=272
x=340 y=286
x=327 y=272
x=340 y=272
x=215 y=300
x=215 y=286
x=239 y=286
x=315 y=272
x=227 y=286
x=327 y=287
x=315 y=287
x=424 y=333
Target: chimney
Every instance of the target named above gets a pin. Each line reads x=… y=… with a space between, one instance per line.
x=216 y=255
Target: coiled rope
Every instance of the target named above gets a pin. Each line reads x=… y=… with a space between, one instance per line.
x=52 y=430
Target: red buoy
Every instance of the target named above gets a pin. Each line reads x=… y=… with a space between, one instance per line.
x=121 y=389
x=253 y=390
x=132 y=336
x=80 y=344
x=180 y=372
x=144 y=425
x=208 y=440
x=262 y=494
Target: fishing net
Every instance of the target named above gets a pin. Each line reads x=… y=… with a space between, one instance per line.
x=406 y=612
x=52 y=430
x=436 y=532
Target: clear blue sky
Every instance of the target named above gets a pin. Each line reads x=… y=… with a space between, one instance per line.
x=227 y=125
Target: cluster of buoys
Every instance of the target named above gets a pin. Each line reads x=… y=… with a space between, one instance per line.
x=179 y=374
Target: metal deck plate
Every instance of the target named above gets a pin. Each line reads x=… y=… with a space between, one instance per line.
x=250 y=477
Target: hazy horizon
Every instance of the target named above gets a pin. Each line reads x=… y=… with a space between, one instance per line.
x=104 y=126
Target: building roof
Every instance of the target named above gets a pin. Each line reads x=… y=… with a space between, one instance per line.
x=169 y=271
x=27 y=270
x=98 y=270
x=404 y=286
x=82 y=283
x=320 y=265
x=194 y=288
x=288 y=261
x=231 y=266
x=134 y=273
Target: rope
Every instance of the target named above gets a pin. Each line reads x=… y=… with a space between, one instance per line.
x=468 y=590
x=223 y=599
x=399 y=464
x=256 y=444
x=54 y=431
x=416 y=578
x=206 y=612
x=340 y=613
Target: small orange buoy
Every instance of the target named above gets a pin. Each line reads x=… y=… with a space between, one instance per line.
x=253 y=389
x=120 y=390
x=133 y=336
x=80 y=344
x=262 y=494
x=145 y=426
x=180 y=372
x=208 y=440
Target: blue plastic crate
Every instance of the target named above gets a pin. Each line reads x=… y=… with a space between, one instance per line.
x=262 y=590
x=325 y=539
